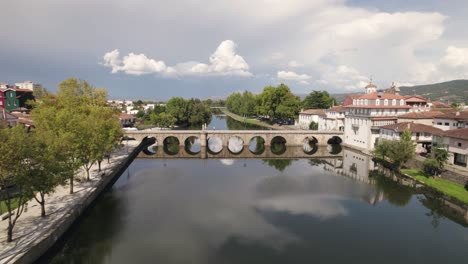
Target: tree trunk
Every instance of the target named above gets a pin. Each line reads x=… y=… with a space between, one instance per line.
x=99 y=165
x=71 y=184
x=42 y=205
x=10 y=233
x=87 y=173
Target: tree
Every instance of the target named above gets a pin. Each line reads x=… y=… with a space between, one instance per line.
x=403 y=150
x=313 y=125
x=441 y=155
x=162 y=119
x=40 y=93
x=177 y=107
x=43 y=172
x=277 y=102
x=318 y=100
x=12 y=173
x=64 y=122
x=382 y=149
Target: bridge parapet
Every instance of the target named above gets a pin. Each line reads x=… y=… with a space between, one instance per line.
x=292 y=137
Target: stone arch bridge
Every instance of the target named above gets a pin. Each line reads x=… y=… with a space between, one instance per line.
x=290 y=137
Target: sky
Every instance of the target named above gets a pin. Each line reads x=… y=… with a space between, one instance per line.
x=154 y=50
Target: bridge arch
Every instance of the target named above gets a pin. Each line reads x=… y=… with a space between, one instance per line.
x=235 y=144
x=171 y=145
x=192 y=145
x=278 y=145
x=335 y=140
x=215 y=144
x=257 y=145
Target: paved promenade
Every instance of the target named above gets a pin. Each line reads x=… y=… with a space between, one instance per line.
x=31 y=228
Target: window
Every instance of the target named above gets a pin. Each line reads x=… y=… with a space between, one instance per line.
x=1 y=102
x=402 y=102
x=447 y=124
x=386 y=102
x=354 y=101
x=459 y=144
x=393 y=102
x=439 y=123
x=377 y=102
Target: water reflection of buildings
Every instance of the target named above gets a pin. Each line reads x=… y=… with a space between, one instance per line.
x=356 y=166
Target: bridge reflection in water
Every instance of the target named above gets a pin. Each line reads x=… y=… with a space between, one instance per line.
x=192 y=149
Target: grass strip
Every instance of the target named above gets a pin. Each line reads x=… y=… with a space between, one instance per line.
x=246 y=120
x=445 y=186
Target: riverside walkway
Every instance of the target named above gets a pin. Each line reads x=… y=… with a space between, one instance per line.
x=33 y=235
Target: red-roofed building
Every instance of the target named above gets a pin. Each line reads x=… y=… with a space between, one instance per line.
x=127 y=120
x=425 y=118
x=368 y=112
x=452 y=120
x=421 y=134
x=333 y=119
x=456 y=142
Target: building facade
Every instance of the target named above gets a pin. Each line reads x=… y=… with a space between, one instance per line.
x=366 y=114
x=456 y=142
x=333 y=120
x=421 y=134
x=306 y=117
x=452 y=120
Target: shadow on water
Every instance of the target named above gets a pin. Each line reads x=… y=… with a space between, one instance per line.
x=96 y=226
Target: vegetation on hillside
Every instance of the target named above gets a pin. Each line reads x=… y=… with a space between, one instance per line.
x=446 y=92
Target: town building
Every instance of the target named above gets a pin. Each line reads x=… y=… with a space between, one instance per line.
x=421 y=134
x=456 y=142
x=306 y=117
x=12 y=98
x=333 y=119
x=452 y=120
x=367 y=113
x=425 y=118
x=127 y=120
x=28 y=85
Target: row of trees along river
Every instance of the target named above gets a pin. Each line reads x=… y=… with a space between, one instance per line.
x=73 y=129
x=272 y=102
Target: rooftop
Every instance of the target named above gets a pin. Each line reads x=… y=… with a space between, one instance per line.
x=463 y=115
x=457 y=133
x=422 y=115
x=413 y=127
x=313 y=112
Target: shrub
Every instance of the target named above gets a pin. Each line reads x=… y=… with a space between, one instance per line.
x=431 y=166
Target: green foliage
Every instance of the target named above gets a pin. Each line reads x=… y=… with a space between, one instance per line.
x=445 y=186
x=398 y=152
x=40 y=93
x=278 y=164
x=441 y=155
x=162 y=119
x=313 y=125
x=431 y=166
x=188 y=112
x=13 y=171
x=277 y=102
x=242 y=104
x=318 y=100
x=455 y=91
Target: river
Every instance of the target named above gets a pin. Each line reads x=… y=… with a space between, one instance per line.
x=262 y=211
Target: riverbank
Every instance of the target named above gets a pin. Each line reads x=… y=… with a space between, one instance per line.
x=34 y=235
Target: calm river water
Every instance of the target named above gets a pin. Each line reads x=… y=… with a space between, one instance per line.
x=263 y=211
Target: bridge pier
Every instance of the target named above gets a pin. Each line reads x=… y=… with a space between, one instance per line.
x=203 y=139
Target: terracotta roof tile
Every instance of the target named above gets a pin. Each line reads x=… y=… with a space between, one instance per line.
x=422 y=115
x=454 y=115
x=413 y=127
x=320 y=112
x=457 y=133
x=379 y=95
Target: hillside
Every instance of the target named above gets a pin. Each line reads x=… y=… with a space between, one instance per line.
x=452 y=91
x=446 y=92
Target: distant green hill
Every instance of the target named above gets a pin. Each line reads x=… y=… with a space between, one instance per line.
x=452 y=91
x=446 y=92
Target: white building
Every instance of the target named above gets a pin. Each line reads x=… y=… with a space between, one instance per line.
x=453 y=120
x=456 y=142
x=420 y=133
x=365 y=115
x=28 y=85
x=333 y=119
x=425 y=118
x=308 y=116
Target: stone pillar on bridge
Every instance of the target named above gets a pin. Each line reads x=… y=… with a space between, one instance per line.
x=203 y=141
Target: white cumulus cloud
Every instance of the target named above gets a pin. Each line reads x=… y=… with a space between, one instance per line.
x=292 y=76
x=456 y=57
x=224 y=61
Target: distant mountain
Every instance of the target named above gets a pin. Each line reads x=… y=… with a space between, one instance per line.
x=446 y=92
